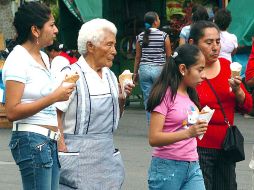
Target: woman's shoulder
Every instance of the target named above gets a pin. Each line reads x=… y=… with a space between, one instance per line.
x=225 y=63
x=186 y=28
x=141 y=34
x=17 y=51
x=227 y=35
x=158 y=31
x=225 y=67
x=17 y=56
x=167 y=96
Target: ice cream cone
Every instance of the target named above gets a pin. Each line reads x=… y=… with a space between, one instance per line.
x=235 y=73
x=72 y=78
x=125 y=78
x=235 y=68
x=205 y=115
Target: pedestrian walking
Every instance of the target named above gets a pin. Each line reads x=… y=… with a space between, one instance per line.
x=174 y=108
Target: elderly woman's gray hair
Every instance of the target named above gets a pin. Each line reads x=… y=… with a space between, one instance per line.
x=93 y=31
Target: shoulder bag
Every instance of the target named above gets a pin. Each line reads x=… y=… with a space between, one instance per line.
x=233 y=144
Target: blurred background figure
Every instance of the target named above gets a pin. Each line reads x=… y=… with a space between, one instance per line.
x=228 y=41
x=198 y=13
x=152 y=50
x=249 y=78
x=59 y=57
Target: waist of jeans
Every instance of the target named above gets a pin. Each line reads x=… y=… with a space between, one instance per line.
x=25 y=127
x=152 y=64
x=166 y=161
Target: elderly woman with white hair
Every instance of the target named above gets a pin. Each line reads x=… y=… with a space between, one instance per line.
x=88 y=119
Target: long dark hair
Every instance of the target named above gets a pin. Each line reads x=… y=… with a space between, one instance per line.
x=149 y=19
x=28 y=15
x=171 y=76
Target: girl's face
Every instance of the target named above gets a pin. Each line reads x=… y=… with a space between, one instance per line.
x=48 y=33
x=194 y=75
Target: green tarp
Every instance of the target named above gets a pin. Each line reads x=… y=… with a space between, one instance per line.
x=242 y=24
x=73 y=9
x=84 y=10
x=89 y=9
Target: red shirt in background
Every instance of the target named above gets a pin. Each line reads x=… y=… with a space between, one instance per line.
x=249 y=73
x=216 y=131
x=71 y=59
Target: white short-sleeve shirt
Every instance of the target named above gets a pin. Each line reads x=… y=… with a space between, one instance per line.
x=39 y=82
x=228 y=44
x=57 y=64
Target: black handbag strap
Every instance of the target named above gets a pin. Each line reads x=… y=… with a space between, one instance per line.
x=219 y=102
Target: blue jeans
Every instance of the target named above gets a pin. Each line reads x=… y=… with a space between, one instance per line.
x=147 y=76
x=175 y=175
x=37 y=158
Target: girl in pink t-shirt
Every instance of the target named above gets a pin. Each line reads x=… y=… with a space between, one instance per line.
x=173 y=104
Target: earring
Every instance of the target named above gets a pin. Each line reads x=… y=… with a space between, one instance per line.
x=182 y=74
x=37 y=40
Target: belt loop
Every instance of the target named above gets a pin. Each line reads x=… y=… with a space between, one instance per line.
x=49 y=131
x=17 y=128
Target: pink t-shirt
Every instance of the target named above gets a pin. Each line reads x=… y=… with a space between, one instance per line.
x=179 y=115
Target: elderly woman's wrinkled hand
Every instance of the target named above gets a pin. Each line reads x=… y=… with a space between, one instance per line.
x=235 y=83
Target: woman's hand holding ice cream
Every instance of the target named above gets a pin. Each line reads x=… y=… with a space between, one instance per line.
x=125 y=88
x=235 y=83
x=63 y=92
x=235 y=79
x=71 y=79
x=236 y=88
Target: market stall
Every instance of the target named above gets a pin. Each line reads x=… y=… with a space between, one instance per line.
x=127 y=15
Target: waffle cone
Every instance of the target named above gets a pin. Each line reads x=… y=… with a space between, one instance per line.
x=72 y=78
x=124 y=77
x=235 y=73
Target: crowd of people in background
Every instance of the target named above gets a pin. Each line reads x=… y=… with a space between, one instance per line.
x=52 y=119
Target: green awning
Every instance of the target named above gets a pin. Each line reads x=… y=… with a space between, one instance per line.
x=89 y=9
x=242 y=24
x=84 y=10
x=73 y=9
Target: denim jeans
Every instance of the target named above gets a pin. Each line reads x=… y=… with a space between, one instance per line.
x=175 y=175
x=37 y=158
x=147 y=76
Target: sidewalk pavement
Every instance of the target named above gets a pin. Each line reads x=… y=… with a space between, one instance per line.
x=131 y=139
